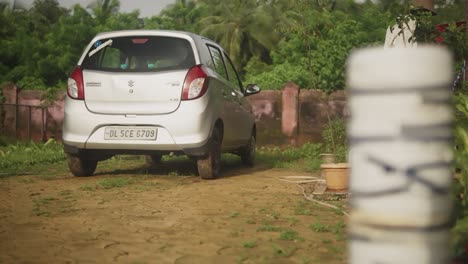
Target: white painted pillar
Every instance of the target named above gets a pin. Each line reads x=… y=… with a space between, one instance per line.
x=400 y=155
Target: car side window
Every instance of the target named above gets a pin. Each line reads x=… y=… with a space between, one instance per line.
x=217 y=61
x=233 y=77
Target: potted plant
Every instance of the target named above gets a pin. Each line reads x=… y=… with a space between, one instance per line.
x=334 y=167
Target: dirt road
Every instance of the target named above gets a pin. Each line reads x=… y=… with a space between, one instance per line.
x=128 y=215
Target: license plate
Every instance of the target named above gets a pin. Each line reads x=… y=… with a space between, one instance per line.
x=138 y=133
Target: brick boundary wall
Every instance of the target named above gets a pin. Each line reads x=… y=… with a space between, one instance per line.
x=290 y=116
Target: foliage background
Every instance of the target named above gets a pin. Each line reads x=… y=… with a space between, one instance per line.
x=270 y=41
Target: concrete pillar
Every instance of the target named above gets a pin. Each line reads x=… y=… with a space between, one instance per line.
x=9 y=117
x=290 y=111
x=400 y=134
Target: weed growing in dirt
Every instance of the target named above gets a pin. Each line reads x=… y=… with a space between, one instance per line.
x=292 y=221
x=87 y=187
x=268 y=228
x=25 y=180
x=339 y=230
x=336 y=250
x=250 y=221
x=66 y=193
x=290 y=235
x=319 y=227
x=234 y=214
x=40 y=202
x=241 y=259
x=270 y=213
x=302 y=208
x=250 y=244
x=283 y=251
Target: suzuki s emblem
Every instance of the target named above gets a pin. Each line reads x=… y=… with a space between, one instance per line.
x=131 y=83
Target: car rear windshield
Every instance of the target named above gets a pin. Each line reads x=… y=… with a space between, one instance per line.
x=139 y=54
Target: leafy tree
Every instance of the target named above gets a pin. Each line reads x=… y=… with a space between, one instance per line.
x=317 y=42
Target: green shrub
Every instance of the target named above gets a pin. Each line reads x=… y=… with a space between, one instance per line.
x=460 y=229
x=275 y=77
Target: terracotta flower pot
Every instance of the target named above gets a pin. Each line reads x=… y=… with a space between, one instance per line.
x=328 y=158
x=336 y=175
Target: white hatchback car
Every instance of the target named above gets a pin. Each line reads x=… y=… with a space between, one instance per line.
x=153 y=92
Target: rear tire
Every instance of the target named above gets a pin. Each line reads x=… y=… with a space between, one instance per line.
x=152 y=160
x=210 y=166
x=81 y=167
x=248 y=152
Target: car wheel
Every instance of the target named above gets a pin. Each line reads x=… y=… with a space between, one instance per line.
x=152 y=160
x=248 y=153
x=80 y=166
x=209 y=166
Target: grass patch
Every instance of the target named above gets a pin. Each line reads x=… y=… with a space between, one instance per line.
x=24 y=157
x=306 y=157
x=110 y=183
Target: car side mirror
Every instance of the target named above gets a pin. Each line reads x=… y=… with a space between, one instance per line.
x=251 y=89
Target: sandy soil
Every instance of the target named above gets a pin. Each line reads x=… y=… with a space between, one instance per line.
x=248 y=216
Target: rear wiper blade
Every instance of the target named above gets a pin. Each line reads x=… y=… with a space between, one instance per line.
x=100 y=47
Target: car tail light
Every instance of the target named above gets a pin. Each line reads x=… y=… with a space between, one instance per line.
x=195 y=84
x=75 y=88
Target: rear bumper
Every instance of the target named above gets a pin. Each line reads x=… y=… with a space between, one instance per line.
x=185 y=131
x=101 y=154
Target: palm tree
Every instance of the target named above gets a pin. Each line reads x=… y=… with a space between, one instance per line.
x=242 y=27
x=103 y=9
x=181 y=15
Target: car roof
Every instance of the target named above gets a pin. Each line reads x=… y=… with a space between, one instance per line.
x=146 y=32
